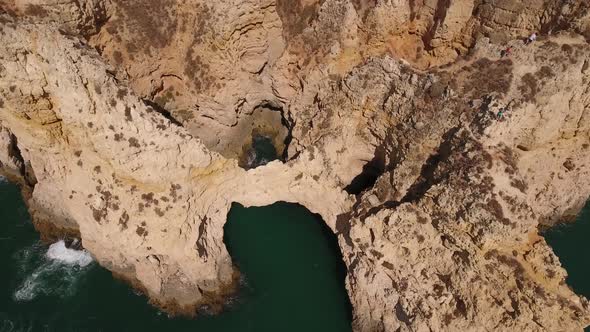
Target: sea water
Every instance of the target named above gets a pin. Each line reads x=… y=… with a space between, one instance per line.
x=262 y=152
x=292 y=279
x=570 y=244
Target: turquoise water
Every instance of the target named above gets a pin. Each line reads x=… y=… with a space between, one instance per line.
x=294 y=279
x=570 y=244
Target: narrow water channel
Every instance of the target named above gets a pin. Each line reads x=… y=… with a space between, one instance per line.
x=293 y=279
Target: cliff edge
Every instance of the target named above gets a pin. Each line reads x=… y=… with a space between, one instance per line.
x=433 y=158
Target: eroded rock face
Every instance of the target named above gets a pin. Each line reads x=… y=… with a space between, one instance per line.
x=11 y=159
x=71 y=16
x=127 y=120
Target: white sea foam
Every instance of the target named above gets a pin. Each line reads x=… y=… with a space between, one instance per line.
x=251 y=159
x=59 y=252
x=55 y=272
x=30 y=287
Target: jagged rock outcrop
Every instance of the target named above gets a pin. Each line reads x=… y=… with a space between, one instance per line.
x=127 y=120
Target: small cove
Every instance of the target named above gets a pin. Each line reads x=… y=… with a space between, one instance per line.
x=570 y=244
x=294 y=279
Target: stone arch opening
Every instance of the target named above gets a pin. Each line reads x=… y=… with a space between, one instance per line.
x=292 y=268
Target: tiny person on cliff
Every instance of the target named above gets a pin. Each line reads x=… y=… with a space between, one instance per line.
x=506 y=52
x=531 y=38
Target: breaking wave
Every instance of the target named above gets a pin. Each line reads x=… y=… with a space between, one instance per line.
x=59 y=252
x=254 y=160
x=55 y=272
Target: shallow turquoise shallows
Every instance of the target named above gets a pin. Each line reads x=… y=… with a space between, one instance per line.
x=294 y=279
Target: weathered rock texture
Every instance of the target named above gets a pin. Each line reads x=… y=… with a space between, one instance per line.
x=126 y=120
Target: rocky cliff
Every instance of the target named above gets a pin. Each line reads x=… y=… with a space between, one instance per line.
x=127 y=122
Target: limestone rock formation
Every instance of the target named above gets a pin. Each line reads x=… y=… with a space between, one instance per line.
x=434 y=160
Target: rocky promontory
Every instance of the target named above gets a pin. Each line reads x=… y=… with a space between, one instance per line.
x=434 y=159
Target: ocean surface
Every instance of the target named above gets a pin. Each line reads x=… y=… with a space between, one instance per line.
x=570 y=242
x=293 y=279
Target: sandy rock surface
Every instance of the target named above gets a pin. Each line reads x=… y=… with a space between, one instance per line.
x=127 y=121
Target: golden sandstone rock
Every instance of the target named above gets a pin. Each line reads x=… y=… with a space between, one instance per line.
x=126 y=120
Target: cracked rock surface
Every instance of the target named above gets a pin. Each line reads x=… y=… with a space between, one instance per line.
x=125 y=122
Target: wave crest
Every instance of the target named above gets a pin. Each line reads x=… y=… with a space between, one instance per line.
x=59 y=252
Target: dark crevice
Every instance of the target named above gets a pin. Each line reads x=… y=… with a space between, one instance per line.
x=385 y=159
x=15 y=153
x=371 y=172
x=440 y=14
x=343 y=227
x=201 y=242
x=171 y=75
x=24 y=166
x=388 y=205
x=401 y=314
x=427 y=177
x=29 y=175
x=165 y=113
x=288 y=123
